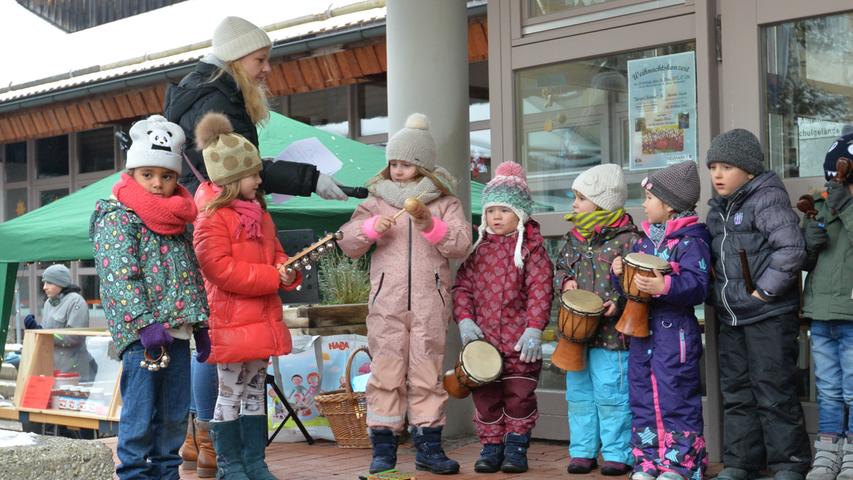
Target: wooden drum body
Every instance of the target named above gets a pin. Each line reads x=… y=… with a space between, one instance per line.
x=580 y=312
x=635 y=318
x=479 y=363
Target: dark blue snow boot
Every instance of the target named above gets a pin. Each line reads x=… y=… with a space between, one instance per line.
x=384 y=450
x=491 y=457
x=515 y=453
x=430 y=456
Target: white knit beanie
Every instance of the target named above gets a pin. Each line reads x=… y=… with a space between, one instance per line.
x=413 y=143
x=603 y=185
x=235 y=38
x=155 y=142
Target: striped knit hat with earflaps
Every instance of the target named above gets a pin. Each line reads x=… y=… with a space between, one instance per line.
x=508 y=189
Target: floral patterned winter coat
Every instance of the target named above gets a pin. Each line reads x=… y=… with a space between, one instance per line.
x=145 y=277
x=588 y=261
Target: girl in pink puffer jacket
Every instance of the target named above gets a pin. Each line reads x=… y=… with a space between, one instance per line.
x=410 y=305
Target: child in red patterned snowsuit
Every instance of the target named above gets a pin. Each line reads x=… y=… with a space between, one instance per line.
x=503 y=295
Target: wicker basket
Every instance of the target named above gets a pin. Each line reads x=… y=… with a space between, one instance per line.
x=346 y=411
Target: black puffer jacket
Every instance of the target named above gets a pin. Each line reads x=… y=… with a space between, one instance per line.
x=195 y=96
x=759 y=220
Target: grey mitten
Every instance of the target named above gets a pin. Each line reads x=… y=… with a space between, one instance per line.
x=328 y=188
x=530 y=345
x=469 y=331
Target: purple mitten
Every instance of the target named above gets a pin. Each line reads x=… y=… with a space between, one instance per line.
x=154 y=336
x=202 y=345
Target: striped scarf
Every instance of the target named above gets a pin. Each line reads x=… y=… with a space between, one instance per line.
x=587 y=222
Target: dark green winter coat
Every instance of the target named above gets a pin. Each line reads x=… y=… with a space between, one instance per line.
x=828 y=293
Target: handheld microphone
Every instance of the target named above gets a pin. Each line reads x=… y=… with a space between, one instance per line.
x=355 y=192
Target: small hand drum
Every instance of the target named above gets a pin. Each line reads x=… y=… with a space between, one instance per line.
x=635 y=318
x=580 y=312
x=479 y=363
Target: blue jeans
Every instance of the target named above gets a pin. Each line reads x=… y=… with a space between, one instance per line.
x=153 y=415
x=832 y=354
x=205 y=385
x=598 y=407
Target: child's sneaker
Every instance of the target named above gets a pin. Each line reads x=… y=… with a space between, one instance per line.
x=827 y=458
x=582 y=465
x=642 y=476
x=846 y=472
x=614 y=469
x=670 y=476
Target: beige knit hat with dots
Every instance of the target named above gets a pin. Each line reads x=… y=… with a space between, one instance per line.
x=228 y=156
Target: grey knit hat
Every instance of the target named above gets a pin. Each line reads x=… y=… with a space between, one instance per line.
x=235 y=38
x=413 y=143
x=676 y=185
x=737 y=147
x=603 y=185
x=58 y=275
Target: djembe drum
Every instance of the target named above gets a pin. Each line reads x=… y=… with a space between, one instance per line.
x=580 y=312
x=634 y=321
x=479 y=363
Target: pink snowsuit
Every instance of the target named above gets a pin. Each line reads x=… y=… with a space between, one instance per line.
x=409 y=308
x=504 y=300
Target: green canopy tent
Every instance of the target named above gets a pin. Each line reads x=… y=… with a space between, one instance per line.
x=59 y=231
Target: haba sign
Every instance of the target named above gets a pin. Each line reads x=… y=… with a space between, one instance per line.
x=662 y=110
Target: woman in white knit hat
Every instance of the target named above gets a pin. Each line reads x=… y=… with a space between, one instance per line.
x=231 y=80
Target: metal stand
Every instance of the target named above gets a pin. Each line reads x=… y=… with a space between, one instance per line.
x=270 y=381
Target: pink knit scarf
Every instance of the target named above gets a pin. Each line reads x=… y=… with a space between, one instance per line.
x=251 y=214
x=166 y=216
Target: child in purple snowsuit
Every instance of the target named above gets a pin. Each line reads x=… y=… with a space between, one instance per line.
x=663 y=368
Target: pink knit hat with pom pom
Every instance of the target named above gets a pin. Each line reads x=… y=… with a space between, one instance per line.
x=508 y=189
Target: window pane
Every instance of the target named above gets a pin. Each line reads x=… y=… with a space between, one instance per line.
x=573 y=116
x=49 y=196
x=16 y=162
x=538 y=8
x=481 y=156
x=16 y=202
x=373 y=108
x=52 y=157
x=478 y=79
x=325 y=109
x=97 y=150
x=808 y=90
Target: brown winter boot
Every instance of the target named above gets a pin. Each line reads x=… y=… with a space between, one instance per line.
x=189 y=450
x=206 y=453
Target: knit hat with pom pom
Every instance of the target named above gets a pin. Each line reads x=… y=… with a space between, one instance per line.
x=603 y=185
x=228 y=156
x=508 y=189
x=413 y=143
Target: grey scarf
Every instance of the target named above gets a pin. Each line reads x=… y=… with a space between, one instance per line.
x=396 y=193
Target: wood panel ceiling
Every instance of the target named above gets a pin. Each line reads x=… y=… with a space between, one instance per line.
x=353 y=65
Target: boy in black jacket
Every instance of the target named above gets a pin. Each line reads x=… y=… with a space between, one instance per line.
x=755 y=231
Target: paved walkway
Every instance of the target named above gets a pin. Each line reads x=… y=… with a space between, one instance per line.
x=300 y=461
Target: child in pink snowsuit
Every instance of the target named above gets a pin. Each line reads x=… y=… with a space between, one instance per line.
x=409 y=306
x=503 y=295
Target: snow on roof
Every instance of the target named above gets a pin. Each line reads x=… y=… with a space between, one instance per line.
x=50 y=52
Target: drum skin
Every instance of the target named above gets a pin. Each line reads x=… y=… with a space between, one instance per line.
x=580 y=312
x=479 y=363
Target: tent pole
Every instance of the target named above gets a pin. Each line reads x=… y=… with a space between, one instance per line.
x=8 y=272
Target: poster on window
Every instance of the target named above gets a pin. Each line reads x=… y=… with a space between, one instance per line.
x=662 y=110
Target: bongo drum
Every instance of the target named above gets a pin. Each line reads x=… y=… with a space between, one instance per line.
x=479 y=363
x=580 y=312
x=635 y=318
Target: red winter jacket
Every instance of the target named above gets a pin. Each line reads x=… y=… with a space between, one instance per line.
x=242 y=285
x=501 y=298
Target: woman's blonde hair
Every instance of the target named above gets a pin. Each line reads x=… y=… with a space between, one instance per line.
x=255 y=94
x=229 y=193
x=443 y=183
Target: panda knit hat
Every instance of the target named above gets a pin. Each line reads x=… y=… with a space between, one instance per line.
x=841 y=147
x=228 y=156
x=508 y=189
x=413 y=143
x=156 y=142
x=236 y=37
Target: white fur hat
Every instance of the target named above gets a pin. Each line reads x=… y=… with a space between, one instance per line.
x=235 y=38
x=603 y=185
x=156 y=142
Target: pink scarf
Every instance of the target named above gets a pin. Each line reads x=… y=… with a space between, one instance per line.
x=166 y=216
x=251 y=214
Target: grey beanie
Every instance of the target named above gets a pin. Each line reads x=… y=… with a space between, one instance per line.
x=413 y=143
x=676 y=185
x=603 y=185
x=58 y=275
x=235 y=38
x=737 y=147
